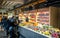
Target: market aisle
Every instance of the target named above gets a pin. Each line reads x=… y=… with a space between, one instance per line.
x=3 y=33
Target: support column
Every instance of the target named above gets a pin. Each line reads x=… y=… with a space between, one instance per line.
x=59 y=17
x=54 y=16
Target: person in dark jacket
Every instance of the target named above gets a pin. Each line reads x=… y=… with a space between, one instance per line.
x=27 y=19
x=5 y=24
x=13 y=28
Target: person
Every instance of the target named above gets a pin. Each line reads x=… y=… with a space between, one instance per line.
x=17 y=23
x=27 y=19
x=12 y=19
x=13 y=29
x=2 y=21
x=5 y=24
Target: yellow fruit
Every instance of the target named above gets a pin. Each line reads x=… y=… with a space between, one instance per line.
x=57 y=30
x=35 y=24
x=21 y=24
x=46 y=33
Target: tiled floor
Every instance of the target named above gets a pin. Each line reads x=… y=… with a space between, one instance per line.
x=2 y=33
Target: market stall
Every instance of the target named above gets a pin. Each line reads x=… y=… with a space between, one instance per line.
x=30 y=30
x=39 y=24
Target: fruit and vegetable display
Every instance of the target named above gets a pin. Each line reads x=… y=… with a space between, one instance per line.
x=43 y=29
x=39 y=21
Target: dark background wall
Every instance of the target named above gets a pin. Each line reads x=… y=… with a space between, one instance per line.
x=59 y=18
x=55 y=16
